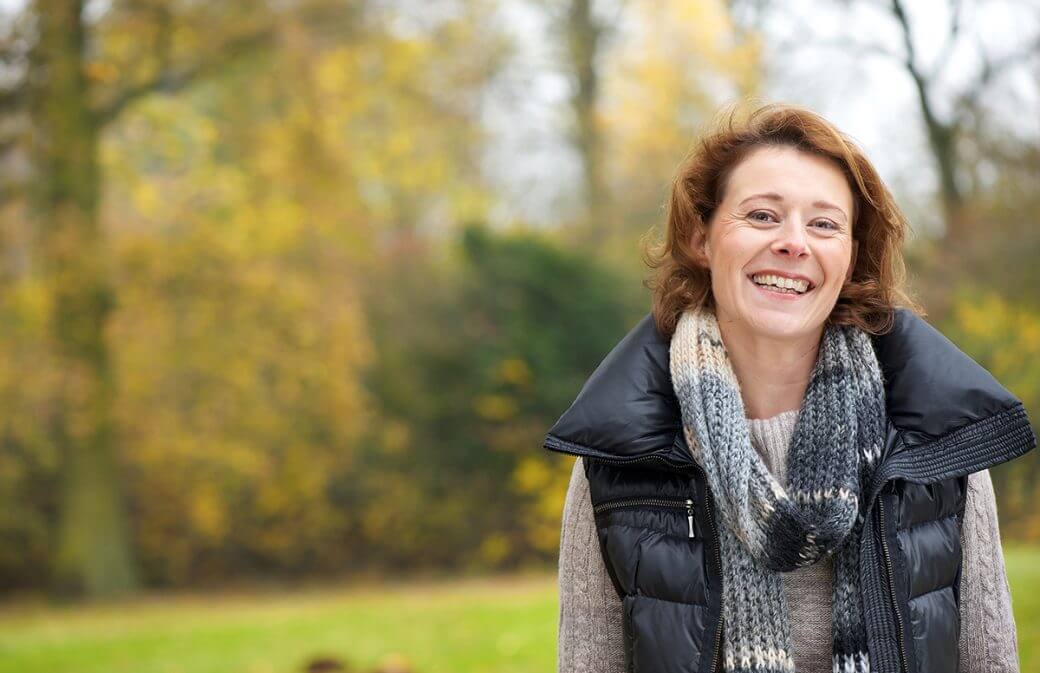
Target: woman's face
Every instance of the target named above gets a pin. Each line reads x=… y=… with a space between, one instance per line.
x=785 y=213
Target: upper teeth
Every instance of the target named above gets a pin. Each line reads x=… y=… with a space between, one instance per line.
x=780 y=281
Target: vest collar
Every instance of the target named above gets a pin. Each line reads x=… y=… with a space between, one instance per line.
x=937 y=397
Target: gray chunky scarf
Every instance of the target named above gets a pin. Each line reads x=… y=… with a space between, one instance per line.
x=769 y=528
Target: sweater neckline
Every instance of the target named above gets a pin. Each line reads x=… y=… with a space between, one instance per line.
x=771 y=438
x=782 y=414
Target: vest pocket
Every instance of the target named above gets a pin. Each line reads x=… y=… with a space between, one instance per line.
x=655 y=564
x=685 y=504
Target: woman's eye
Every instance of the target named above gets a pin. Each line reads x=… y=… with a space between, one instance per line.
x=766 y=216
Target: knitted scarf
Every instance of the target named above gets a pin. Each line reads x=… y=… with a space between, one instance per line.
x=766 y=527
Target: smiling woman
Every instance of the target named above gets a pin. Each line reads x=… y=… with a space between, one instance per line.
x=783 y=170
x=759 y=204
x=784 y=467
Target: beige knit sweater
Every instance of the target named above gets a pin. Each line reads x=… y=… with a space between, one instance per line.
x=590 y=617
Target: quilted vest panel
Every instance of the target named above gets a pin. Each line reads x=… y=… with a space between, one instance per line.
x=658 y=538
x=923 y=537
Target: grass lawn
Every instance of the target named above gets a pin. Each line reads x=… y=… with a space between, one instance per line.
x=505 y=625
x=1023 y=568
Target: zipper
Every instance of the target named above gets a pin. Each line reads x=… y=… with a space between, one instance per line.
x=718 y=566
x=677 y=503
x=891 y=582
x=686 y=503
x=689 y=514
x=617 y=461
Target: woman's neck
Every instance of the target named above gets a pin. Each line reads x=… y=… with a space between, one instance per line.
x=773 y=374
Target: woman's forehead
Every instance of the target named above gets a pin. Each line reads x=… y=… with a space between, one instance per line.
x=787 y=174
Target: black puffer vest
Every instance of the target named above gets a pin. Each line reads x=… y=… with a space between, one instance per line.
x=948 y=417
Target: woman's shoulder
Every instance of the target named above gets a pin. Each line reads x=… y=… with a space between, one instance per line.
x=934 y=389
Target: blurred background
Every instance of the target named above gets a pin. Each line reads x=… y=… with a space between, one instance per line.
x=290 y=292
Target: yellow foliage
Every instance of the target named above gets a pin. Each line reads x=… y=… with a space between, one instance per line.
x=396 y=436
x=147 y=200
x=98 y=71
x=239 y=381
x=544 y=534
x=514 y=371
x=494 y=407
x=241 y=216
x=676 y=62
x=494 y=549
x=673 y=70
x=533 y=475
x=1004 y=338
x=544 y=482
x=208 y=514
x=29 y=300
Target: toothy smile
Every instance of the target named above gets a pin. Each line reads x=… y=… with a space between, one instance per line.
x=783 y=284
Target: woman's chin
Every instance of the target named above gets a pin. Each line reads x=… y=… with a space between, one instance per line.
x=782 y=320
x=779 y=322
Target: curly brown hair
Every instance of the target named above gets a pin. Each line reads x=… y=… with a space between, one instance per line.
x=878 y=283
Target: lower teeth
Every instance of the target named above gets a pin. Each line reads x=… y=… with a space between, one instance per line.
x=774 y=288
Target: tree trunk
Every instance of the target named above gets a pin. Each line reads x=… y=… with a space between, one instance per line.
x=584 y=38
x=93 y=551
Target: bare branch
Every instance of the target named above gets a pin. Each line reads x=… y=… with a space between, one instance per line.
x=172 y=79
x=935 y=127
x=908 y=43
x=854 y=46
x=797 y=38
x=992 y=68
x=175 y=79
x=951 y=40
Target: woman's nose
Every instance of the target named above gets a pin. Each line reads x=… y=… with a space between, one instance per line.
x=791 y=239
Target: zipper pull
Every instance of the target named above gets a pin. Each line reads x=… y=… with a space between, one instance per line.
x=689 y=514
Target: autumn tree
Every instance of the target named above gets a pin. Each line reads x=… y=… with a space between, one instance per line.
x=79 y=75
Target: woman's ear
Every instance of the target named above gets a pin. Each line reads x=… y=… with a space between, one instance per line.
x=699 y=247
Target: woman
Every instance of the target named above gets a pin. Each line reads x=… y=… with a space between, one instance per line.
x=784 y=467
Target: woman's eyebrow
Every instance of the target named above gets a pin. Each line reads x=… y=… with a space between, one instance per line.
x=773 y=196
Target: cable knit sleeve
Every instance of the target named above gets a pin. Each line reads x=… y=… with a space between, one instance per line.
x=591 y=636
x=988 y=643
